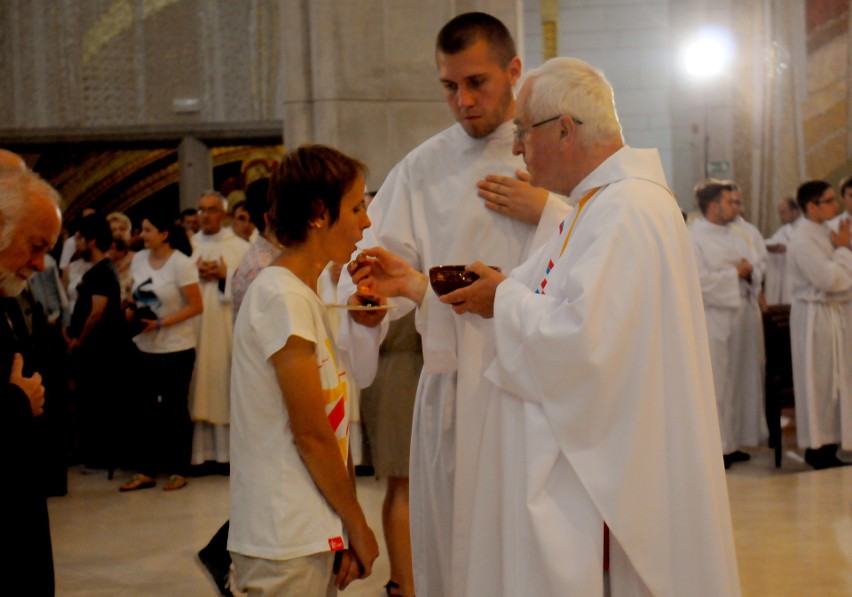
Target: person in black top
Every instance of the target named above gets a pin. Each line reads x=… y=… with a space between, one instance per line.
x=29 y=227
x=95 y=343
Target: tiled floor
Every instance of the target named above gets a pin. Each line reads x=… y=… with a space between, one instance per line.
x=793 y=530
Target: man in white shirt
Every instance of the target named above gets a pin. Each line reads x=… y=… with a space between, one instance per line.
x=428 y=212
x=600 y=420
x=820 y=268
x=216 y=252
x=776 y=287
x=729 y=286
x=845 y=204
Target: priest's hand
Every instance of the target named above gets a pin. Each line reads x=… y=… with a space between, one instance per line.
x=477 y=298
x=217 y=269
x=378 y=272
x=843 y=236
x=212 y=270
x=515 y=197
x=744 y=270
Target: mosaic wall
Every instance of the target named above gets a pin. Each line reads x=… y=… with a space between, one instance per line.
x=123 y=62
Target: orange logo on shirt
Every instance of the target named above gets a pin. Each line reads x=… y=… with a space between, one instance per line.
x=336 y=544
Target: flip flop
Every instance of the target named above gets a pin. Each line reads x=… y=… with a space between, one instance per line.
x=138 y=482
x=175 y=482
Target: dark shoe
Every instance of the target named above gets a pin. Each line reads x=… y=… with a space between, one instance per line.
x=726 y=458
x=739 y=456
x=218 y=570
x=834 y=461
x=823 y=457
x=365 y=470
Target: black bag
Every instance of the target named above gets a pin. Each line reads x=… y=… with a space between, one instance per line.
x=136 y=325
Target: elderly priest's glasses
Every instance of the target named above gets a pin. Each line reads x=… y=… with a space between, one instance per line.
x=521 y=131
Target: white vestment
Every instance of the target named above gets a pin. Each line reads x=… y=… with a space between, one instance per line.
x=735 y=329
x=821 y=337
x=603 y=410
x=209 y=391
x=755 y=242
x=776 y=287
x=428 y=213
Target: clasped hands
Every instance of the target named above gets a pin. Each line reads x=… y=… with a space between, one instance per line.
x=212 y=270
x=31 y=386
x=843 y=236
x=380 y=274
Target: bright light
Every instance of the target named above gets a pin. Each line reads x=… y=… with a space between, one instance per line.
x=709 y=52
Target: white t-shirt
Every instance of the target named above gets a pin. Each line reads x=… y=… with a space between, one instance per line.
x=160 y=289
x=277 y=512
x=69 y=247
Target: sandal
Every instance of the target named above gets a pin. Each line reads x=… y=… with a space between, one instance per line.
x=175 y=482
x=138 y=482
x=389 y=589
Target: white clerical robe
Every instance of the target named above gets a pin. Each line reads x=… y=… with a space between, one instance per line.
x=603 y=409
x=210 y=405
x=735 y=329
x=428 y=213
x=776 y=287
x=821 y=336
x=756 y=244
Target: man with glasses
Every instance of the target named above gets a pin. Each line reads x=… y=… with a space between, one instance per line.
x=428 y=212
x=600 y=426
x=216 y=252
x=819 y=262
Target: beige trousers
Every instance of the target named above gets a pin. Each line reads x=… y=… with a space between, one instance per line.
x=308 y=576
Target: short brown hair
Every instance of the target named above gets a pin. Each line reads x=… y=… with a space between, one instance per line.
x=466 y=29
x=810 y=192
x=310 y=180
x=710 y=191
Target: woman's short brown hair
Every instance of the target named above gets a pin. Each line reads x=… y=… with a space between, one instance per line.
x=311 y=180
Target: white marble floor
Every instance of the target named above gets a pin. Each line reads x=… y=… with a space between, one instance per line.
x=793 y=530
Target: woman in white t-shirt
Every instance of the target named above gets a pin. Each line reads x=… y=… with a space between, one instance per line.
x=166 y=296
x=296 y=526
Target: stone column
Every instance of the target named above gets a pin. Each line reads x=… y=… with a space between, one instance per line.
x=361 y=76
x=195 y=170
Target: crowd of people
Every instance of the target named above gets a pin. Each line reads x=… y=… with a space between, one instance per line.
x=578 y=393
x=803 y=267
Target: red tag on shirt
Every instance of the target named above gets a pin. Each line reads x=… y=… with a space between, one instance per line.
x=336 y=544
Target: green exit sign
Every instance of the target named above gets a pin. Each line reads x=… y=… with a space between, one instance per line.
x=718 y=169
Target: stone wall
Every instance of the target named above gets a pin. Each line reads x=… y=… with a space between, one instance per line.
x=361 y=75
